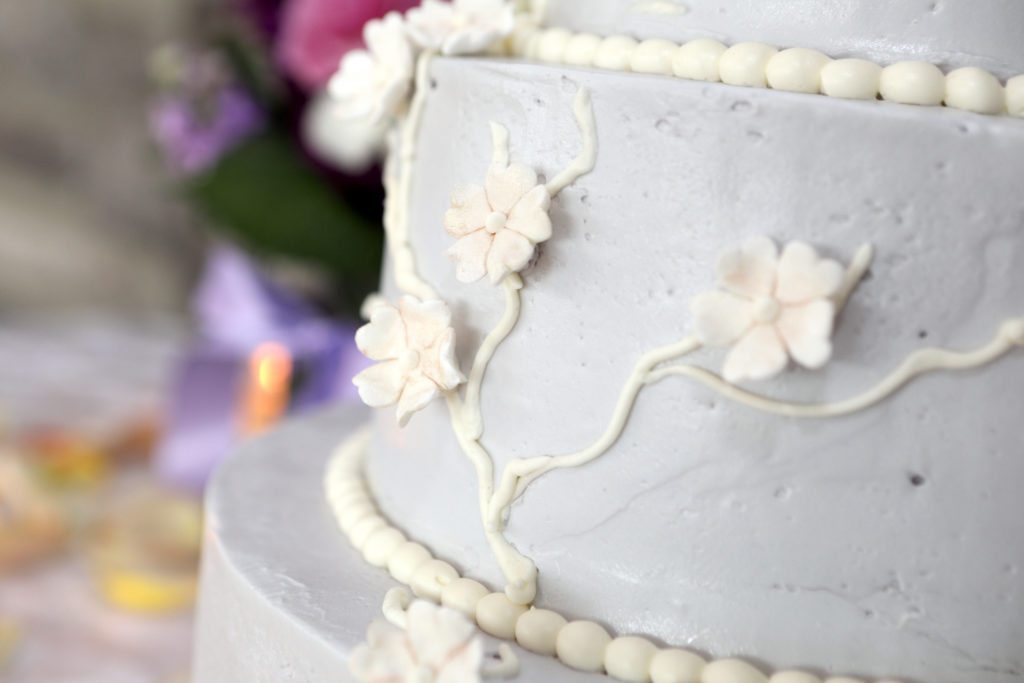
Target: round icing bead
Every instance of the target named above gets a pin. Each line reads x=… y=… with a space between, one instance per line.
x=552 y=45
x=746 y=64
x=796 y=70
x=843 y=679
x=497 y=615
x=364 y=528
x=521 y=37
x=537 y=630
x=975 y=90
x=794 y=677
x=531 y=45
x=343 y=486
x=1014 y=331
x=654 y=57
x=629 y=659
x=406 y=559
x=351 y=515
x=582 y=49
x=851 y=79
x=381 y=545
x=676 y=666
x=698 y=60
x=463 y=595
x=615 y=53
x=1015 y=96
x=732 y=671
x=581 y=645
x=430 y=579
x=913 y=83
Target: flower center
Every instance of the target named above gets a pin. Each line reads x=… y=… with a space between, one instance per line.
x=409 y=360
x=766 y=310
x=495 y=222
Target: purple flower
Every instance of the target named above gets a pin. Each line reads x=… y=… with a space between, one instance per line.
x=195 y=132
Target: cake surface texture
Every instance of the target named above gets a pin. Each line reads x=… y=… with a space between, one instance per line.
x=874 y=544
x=672 y=346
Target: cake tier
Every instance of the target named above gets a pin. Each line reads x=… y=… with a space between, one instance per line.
x=888 y=542
x=953 y=33
x=284 y=597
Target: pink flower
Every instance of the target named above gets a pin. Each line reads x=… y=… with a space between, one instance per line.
x=316 y=34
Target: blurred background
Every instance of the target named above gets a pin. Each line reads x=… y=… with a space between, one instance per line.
x=186 y=235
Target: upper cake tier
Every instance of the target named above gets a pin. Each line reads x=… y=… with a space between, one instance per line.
x=950 y=33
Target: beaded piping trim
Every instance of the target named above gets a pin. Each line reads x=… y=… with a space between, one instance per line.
x=757 y=65
x=581 y=645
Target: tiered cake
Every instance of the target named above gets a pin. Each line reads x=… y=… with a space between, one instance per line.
x=734 y=367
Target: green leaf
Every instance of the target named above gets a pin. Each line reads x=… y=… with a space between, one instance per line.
x=266 y=195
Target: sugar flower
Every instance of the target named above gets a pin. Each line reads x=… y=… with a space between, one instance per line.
x=373 y=84
x=498 y=225
x=462 y=26
x=439 y=645
x=414 y=345
x=771 y=308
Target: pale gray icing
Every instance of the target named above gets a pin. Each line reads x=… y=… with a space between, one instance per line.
x=710 y=524
x=284 y=596
x=952 y=33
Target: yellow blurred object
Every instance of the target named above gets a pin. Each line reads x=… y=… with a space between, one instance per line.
x=68 y=461
x=10 y=634
x=267 y=387
x=145 y=553
x=31 y=525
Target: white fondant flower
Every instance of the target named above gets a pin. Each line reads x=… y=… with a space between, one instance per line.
x=461 y=27
x=498 y=225
x=772 y=308
x=439 y=645
x=373 y=83
x=415 y=345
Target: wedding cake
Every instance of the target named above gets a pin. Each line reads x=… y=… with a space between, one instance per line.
x=698 y=358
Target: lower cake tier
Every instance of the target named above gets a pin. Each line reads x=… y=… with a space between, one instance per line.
x=284 y=598
x=886 y=542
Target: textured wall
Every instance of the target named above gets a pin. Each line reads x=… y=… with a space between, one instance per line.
x=86 y=219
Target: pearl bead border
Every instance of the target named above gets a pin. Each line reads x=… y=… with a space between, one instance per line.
x=757 y=65
x=582 y=645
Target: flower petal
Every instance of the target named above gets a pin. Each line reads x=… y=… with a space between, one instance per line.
x=470 y=255
x=436 y=633
x=464 y=666
x=759 y=354
x=804 y=276
x=383 y=338
x=530 y=217
x=720 y=318
x=419 y=391
x=749 y=270
x=506 y=186
x=429 y=24
x=469 y=210
x=807 y=331
x=380 y=385
x=383 y=657
x=440 y=364
x=510 y=253
x=425 y=321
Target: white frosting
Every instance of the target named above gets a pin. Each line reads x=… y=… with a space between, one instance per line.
x=851 y=79
x=497 y=615
x=954 y=317
x=629 y=659
x=537 y=630
x=698 y=60
x=676 y=666
x=975 y=90
x=954 y=33
x=463 y=595
x=794 y=677
x=746 y=64
x=731 y=671
x=1015 y=96
x=581 y=645
x=913 y=83
x=797 y=69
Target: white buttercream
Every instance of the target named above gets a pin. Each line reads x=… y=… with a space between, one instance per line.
x=1015 y=96
x=746 y=64
x=497 y=615
x=794 y=677
x=552 y=45
x=796 y=70
x=975 y=90
x=654 y=57
x=464 y=595
x=615 y=52
x=581 y=50
x=676 y=666
x=732 y=671
x=852 y=79
x=628 y=658
x=698 y=60
x=581 y=645
x=919 y=83
x=537 y=630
